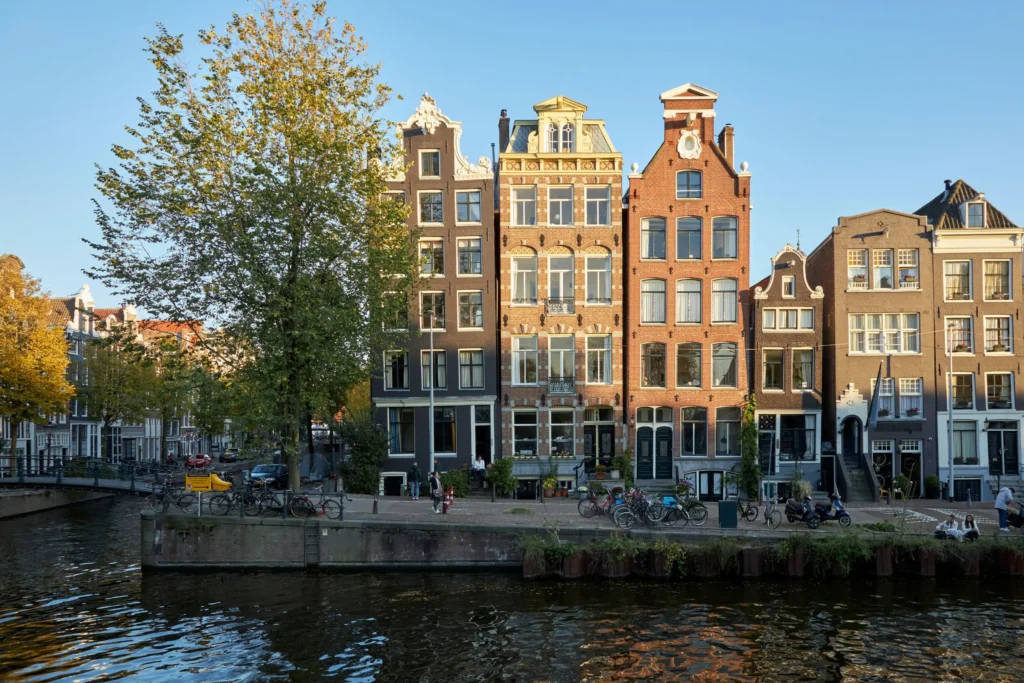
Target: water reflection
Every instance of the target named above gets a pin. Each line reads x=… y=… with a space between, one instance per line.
x=76 y=607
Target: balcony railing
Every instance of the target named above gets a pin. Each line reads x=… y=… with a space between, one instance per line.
x=857 y=283
x=561 y=385
x=561 y=306
x=524 y=300
x=910 y=283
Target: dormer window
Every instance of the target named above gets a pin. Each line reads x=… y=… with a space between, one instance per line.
x=788 y=286
x=568 y=137
x=976 y=215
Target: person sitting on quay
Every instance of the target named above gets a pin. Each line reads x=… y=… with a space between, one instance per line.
x=1004 y=498
x=948 y=529
x=479 y=469
x=971 y=531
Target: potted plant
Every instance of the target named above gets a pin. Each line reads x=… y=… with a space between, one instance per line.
x=999 y=348
x=932 y=484
x=599 y=471
x=583 y=492
x=961 y=348
x=617 y=466
x=883 y=412
x=549 y=486
x=913 y=412
x=860 y=278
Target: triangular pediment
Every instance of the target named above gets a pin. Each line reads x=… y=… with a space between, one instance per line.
x=689 y=91
x=560 y=103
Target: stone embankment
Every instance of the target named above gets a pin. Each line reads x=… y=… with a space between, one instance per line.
x=178 y=542
x=17 y=503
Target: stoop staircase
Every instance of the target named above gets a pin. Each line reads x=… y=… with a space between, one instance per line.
x=858 y=488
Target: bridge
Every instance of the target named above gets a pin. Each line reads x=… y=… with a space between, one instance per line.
x=92 y=474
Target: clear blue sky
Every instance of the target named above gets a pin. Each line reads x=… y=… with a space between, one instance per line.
x=839 y=107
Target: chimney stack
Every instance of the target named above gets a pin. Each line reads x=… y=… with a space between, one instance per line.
x=503 y=131
x=725 y=143
x=948 y=184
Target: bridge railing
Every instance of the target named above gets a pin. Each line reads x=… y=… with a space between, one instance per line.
x=56 y=470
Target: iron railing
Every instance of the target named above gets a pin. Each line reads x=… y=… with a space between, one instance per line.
x=560 y=306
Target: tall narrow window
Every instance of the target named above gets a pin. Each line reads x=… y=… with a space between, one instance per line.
x=553 y=137
x=568 y=138
x=885 y=396
x=652 y=238
x=599 y=205
x=524 y=280
x=882 y=268
x=723 y=365
x=561 y=364
x=688 y=185
x=444 y=430
x=440 y=369
x=432 y=310
x=695 y=431
x=560 y=206
x=957 y=276
x=471 y=369
x=688 y=364
x=396 y=370
x=401 y=428
x=524 y=206
x=431 y=208
x=999 y=334
x=432 y=257
x=727 y=431
x=723 y=301
x=430 y=163
x=652 y=365
x=976 y=215
x=467 y=204
x=803 y=369
x=471 y=309
x=599 y=360
x=688 y=305
x=788 y=286
x=688 y=238
x=997 y=280
x=652 y=301
x=910 y=273
x=599 y=279
x=723 y=233
x=561 y=428
x=961 y=334
x=524 y=360
x=911 y=396
x=963 y=391
x=999 y=389
x=856 y=268
x=470 y=256
x=965 y=443
x=561 y=287
x=773 y=369
x=524 y=432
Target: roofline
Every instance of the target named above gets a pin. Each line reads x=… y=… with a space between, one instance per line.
x=668 y=94
x=923 y=220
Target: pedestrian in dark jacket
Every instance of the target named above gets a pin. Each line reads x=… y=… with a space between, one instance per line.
x=415 y=477
x=435 y=492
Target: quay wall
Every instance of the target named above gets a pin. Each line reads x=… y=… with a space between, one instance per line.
x=18 y=503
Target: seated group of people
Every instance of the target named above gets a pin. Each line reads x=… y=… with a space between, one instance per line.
x=951 y=529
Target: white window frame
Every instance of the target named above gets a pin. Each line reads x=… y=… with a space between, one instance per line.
x=519 y=205
x=908 y=260
x=483 y=373
x=458 y=255
x=984 y=214
x=700 y=238
x=970 y=280
x=859 y=338
x=886 y=397
x=681 y=296
x=788 y=286
x=597 y=201
x=536 y=427
x=424 y=385
x=560 y=354
x=402 y=454
x=882 y=259
x=948 y=341
x=553 y=137
x=568 y=138
x=736 y=357
x=735 y=229
x=689 y=192
x=561 y=202
x=607 y=362
x=792 y=368
x=700 y=366
x=911 y=388
x=856 y=261
x=974 y=390
x=985 y=338
x=1009 y=278
x=1013 y=387
x=571 y=425
x=520 y=357
x=735 y=304
x=387 y=370
x=420 y=159
x=444 y=321
x=660 y=314
x=562 y=276
x=764 y=369
x=480 y=204
x=515 y=271
x=458 y=299
x=603 y=274
x=431 y=241
x=647 y=241
x=419 y=208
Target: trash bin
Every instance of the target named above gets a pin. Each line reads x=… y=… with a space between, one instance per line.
x=728 y=514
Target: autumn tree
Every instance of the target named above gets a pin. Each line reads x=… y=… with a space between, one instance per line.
x=250 y=199
x=33 y=353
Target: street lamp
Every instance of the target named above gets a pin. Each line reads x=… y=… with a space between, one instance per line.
x=949 y=426
x=432 y=378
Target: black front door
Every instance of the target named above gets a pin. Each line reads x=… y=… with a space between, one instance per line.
x=645 y=453
x=851 y=437
x=766 y=450
x=1002 y=448
x=711 y=486
x=663 y=450
x=606 y=443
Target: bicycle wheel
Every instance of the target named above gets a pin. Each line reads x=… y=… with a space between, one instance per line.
x=698 y=514
x=624 y=518
x=253 y=505
x=301 y=507
x=220 y=504
x=674 y=515
x=655 y=512
x=188 y=503
x=750 y=513
x=774 y=519
x=588 y=507
x=158 y=502
x=332 y=509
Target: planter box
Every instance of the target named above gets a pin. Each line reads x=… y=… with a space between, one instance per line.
x=751 y=563
x=575 y=566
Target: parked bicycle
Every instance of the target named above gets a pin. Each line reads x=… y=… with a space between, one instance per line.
x=223 y=503
x=772 y=517
x=747 y=510
x=169 y=494
x=303 y=506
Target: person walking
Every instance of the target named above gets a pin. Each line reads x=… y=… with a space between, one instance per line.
x=435 y=492
x=415 y=477
x=1005 y=496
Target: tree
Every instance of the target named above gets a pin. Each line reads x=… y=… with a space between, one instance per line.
x=251 y=200
x=367 y=444
x=170 y=390
x=749 y=476
x=119 y=384
x=33 y=353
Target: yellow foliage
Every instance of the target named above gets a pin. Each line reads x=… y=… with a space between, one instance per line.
x=33 y=353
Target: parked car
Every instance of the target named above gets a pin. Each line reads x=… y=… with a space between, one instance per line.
x=272 y=476
x=229 y=455
x=198 y=460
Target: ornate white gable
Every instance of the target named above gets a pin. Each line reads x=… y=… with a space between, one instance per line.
x=428 y=117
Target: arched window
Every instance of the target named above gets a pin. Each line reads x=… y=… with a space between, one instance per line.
x=552 y=137
x=599 y=279
x=524 y=280
x=688 y=304
x=723 y=301
x=688 y=364
x=561 y=288
x=568 y=137
x=652 y=301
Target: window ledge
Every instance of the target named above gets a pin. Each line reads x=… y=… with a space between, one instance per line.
x=733 y=322
x=689 y=260
x=653 y=324
x=460 y=224
x=471 y=329
x=958 y=301
x=725 y=258
x=652 y=259
x=688 y=388
x=469 y=275
x=724 y=386
x=689 y=324
x=401 y=455
x=998 y=301
x=430 y=225
x=999 y=353
x=774 y=391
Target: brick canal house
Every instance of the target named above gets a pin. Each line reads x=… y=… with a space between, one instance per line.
x=688 y=226
x=976 y=300
x=451 y=204
x=876 y=271
x=786 y=316
x=561 y=319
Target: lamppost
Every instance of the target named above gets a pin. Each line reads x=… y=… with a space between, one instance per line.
x=949 y=425
x=432 y=378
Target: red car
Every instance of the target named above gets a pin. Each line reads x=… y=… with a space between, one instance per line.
x=197 y=460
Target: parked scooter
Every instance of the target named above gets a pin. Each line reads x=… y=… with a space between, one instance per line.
x=795 y=512
x=833 y=510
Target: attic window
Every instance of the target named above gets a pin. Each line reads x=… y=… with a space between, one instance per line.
x=788 y=286
x=976 y=215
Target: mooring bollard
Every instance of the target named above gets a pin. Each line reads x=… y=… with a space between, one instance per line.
x=284 y=504
x=199 y=508
x=375 y=503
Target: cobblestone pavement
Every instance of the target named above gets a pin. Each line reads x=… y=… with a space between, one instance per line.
x=917 y=517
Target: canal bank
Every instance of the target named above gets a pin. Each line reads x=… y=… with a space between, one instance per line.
x=21 y=502
x=180 y=542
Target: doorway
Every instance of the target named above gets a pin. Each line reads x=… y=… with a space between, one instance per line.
x=598 y=437
x=710 y=486
x=482 y=433
x=853 y=429
x=1003 y=459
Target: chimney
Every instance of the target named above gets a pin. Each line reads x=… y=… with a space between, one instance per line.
x=503 y=131
x=725 y=142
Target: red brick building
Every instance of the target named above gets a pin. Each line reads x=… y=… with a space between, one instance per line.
x=687 y=278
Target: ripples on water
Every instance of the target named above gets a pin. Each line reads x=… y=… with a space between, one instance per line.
x=75 y=606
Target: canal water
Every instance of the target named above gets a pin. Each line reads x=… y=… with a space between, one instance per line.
x=74 y=606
